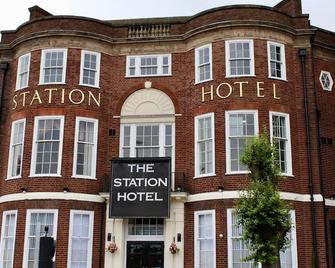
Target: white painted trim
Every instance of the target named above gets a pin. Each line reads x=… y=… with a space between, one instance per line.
x=94 y=152
x=330 y=202
x=227 y=127
x=236 y=194
x=196 y=63
x=159 y=65
x=252 y=57
x=19 y=71
x=5 y=213
x=282 y=60
x=54 y=235
x=97 y=70
x=90 y=235
x=196 y=223
x=34 y=146
x=288 y=142
x=51 y=196
x=294 y=240
x=10 y=155
x=44 y=51
x=196 y=145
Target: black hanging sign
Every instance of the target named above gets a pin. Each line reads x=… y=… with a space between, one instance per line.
x=140 y=187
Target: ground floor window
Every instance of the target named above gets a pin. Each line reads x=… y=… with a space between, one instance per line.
x=237 y=248
x=204 y=236
x=145 y=226
x=8 y=238
x=80 y=239
x=36 y=223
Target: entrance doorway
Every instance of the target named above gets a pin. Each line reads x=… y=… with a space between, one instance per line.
x=145 y=254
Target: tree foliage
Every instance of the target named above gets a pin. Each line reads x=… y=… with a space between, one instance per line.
x=263 y=216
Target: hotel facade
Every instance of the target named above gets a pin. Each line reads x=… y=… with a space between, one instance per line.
x=123 y=137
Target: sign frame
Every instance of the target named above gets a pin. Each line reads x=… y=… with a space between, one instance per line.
x=117 y=163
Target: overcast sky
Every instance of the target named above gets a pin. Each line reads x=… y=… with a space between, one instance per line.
x=15 y=12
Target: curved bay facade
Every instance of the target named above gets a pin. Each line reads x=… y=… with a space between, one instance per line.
x=168 y=105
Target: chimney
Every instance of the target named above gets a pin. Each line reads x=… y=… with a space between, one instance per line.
x=37 y=12
x=290 y=7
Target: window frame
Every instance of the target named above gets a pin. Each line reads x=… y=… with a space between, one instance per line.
x=227 y=127
x=90 y=243
x=196 y=145
x=197 y=65
x=4 y=215
x=196 y=235
x=161 y=142
x=97 y=70
x=27 y=226
x=11 y=151
x=34 y=146
x=42 y=65
x=288 y=147
x=282 y=60
x=138 y=65
x=95 y=147
x=252 y=57
x=19 y=71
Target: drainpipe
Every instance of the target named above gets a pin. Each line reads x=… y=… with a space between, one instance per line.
x=315 y=258
x=321 y=174
x=3 y=67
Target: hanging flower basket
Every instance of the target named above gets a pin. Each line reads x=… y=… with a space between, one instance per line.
x=112 y=247
x=173 y=248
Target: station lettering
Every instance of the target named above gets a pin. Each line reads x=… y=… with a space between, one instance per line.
x=56 y=96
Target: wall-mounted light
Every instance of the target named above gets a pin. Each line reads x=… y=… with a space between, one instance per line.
x=220 y=188
x=23 y=189
x=66 y=189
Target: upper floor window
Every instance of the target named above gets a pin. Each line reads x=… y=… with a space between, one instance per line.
x=239 y=58
x=204 y=235
x=16 y=149
x=47 y=146
x=276 y=60
x=36 y=222
x=8 y=239
x=90 y=68
x=53 y=66
x=23 y=71
x=85 y=148
x=326 y=80
x=203 y=63
x=204 y=142
x=280 y=137
x=80 y=239
x=149 y=65
x=241 y=128
x=147 y=140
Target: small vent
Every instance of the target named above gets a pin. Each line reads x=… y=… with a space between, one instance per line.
x=325 y=140
x=154 y=30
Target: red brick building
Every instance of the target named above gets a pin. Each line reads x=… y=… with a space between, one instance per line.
x=77 y=92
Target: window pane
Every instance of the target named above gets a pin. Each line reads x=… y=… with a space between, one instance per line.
x=16 y=148
x=37 y=224
x=48 y=145
x=241 y=130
